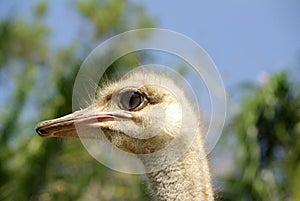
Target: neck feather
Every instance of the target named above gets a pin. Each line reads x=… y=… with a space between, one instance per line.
x=186 y=179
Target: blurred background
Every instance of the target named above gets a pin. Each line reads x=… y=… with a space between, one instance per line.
x=255 y=45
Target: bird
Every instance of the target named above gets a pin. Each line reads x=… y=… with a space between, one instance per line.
x=144 y=113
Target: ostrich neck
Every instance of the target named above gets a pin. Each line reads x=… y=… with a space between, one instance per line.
x=186 y=179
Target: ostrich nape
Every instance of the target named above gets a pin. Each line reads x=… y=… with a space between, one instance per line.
x=142 y=114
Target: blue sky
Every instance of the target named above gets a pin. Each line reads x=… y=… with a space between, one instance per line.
x=244 y=38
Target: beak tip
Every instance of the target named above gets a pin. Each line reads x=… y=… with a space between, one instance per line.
x=40 y=131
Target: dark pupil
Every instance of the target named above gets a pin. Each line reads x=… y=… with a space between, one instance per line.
x=130 y=100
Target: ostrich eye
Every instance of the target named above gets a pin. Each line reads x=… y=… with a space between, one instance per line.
x=130 y=100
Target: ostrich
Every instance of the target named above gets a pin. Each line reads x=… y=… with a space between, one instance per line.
x=122 y=110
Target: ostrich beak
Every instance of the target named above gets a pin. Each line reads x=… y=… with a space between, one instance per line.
x=67 y=126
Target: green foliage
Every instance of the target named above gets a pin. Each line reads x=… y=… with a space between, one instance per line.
x=41 y=80
x=268 y=134
x=18 y=39
x=113 y=16
x=41 y=8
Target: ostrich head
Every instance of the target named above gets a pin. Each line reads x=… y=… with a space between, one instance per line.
x=140 y=114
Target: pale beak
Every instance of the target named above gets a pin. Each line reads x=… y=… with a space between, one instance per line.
x=67 y=126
